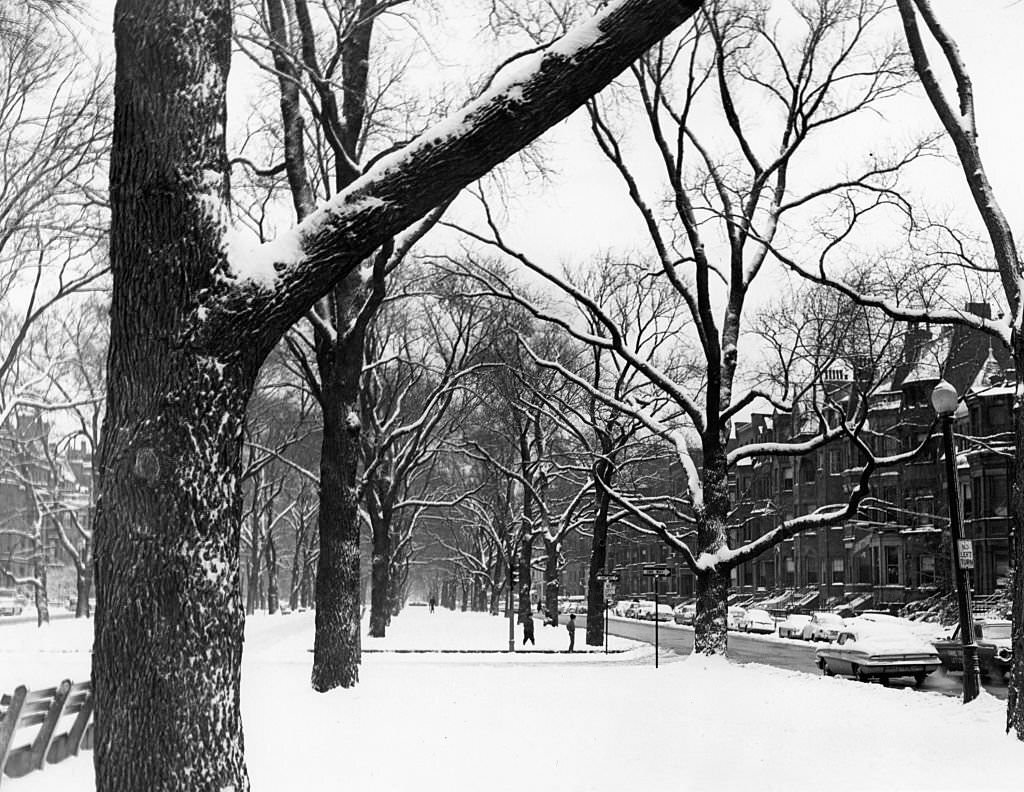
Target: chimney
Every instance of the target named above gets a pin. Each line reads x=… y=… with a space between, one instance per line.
x=981 y=309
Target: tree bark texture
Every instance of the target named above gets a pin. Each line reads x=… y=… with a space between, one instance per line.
x=272 y=589
x=523 y=567
x=380 y=565
x=1015 y=691
x=552 y=587
x=709 y=626
x=337 y=650
x=169 y=620
x=598 y=557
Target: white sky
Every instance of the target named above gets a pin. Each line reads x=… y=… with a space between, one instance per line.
x=583 y=207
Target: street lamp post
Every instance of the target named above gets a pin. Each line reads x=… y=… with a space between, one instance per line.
x=944 y=400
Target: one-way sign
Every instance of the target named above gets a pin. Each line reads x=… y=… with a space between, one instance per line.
x=656 y=570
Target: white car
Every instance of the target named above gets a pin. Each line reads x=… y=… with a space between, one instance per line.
x=736 y=613
x=636 y=610
x=866 y=649
x=10 y=603
x=823 y=626
x=757 y=620
x=685 y=613
x=793 y=626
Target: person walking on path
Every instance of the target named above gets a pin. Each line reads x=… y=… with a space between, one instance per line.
x=433 y=602
x=528 y=630
x=571 y=627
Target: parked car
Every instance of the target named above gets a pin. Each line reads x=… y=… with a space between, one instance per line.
x=866 y=649
x=9 y=603
x=733 y=618
x=793 y=625
x=622 y=606
x=659 y=612
x=636 y=610
x=823 y=626
x=995 y=648
x=757 y=620
x=685 y=613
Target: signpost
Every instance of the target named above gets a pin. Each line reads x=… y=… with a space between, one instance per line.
x=655 y=571
x=609 y=579
x=965 y=550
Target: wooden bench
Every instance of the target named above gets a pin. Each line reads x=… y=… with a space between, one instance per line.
x=57 y=736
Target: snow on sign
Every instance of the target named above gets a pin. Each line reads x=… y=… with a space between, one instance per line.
x=965 y=550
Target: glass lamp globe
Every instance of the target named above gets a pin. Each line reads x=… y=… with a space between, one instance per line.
x=944 y=398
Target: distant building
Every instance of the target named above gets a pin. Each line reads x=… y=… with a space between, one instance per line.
x=896 y=550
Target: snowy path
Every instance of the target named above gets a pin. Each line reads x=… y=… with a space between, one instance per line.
x=582 y=723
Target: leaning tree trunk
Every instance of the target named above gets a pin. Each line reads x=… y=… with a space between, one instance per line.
x=551 y=584
x=598 y=557
x=337 y=650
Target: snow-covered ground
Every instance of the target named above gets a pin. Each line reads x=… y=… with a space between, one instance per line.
x=566 y=723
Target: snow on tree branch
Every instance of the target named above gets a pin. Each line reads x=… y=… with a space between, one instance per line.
x=267 y=289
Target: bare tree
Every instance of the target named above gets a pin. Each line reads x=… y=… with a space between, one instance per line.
x=712 y=232
x=191 y=322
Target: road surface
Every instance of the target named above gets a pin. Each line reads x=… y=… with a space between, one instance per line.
x=792 y=655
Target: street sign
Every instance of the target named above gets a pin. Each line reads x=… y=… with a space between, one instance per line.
x=656 y=571
x=965 y=551
x=614 y=577
x=609 y=590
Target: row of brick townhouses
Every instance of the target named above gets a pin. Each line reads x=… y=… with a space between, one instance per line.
x=63 y=475
x=896 y=550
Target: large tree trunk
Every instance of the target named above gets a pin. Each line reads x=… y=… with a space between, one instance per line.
x=83 y=586
x=709 y=625
x=598 y=557
x=272 y=592
x=524 y=610
x=337 y=649
x=253 y=568
x=551 y=585
x=380 y=565
x=1015 y=692
x=169 y=620
x=42 y=596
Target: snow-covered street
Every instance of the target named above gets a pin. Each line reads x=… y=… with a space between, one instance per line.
x=586 y=722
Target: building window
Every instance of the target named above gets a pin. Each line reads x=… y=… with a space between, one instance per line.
x=811 y=570
x=892 y=565
x=838 y=570
x=926 y=570
x=967 y=500
x=996 y=486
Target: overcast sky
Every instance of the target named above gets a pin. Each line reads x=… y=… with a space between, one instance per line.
x=583 y=209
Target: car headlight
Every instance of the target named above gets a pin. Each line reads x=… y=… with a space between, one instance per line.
x=1004 y=654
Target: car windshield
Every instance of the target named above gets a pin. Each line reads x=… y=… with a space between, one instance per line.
x=995 y=632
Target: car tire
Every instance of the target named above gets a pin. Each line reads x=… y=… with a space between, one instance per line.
x=919 y=678
x=827 y=670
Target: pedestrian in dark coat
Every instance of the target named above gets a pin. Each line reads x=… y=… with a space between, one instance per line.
x=528 y=630
x=571 y=627
x=433 y=602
